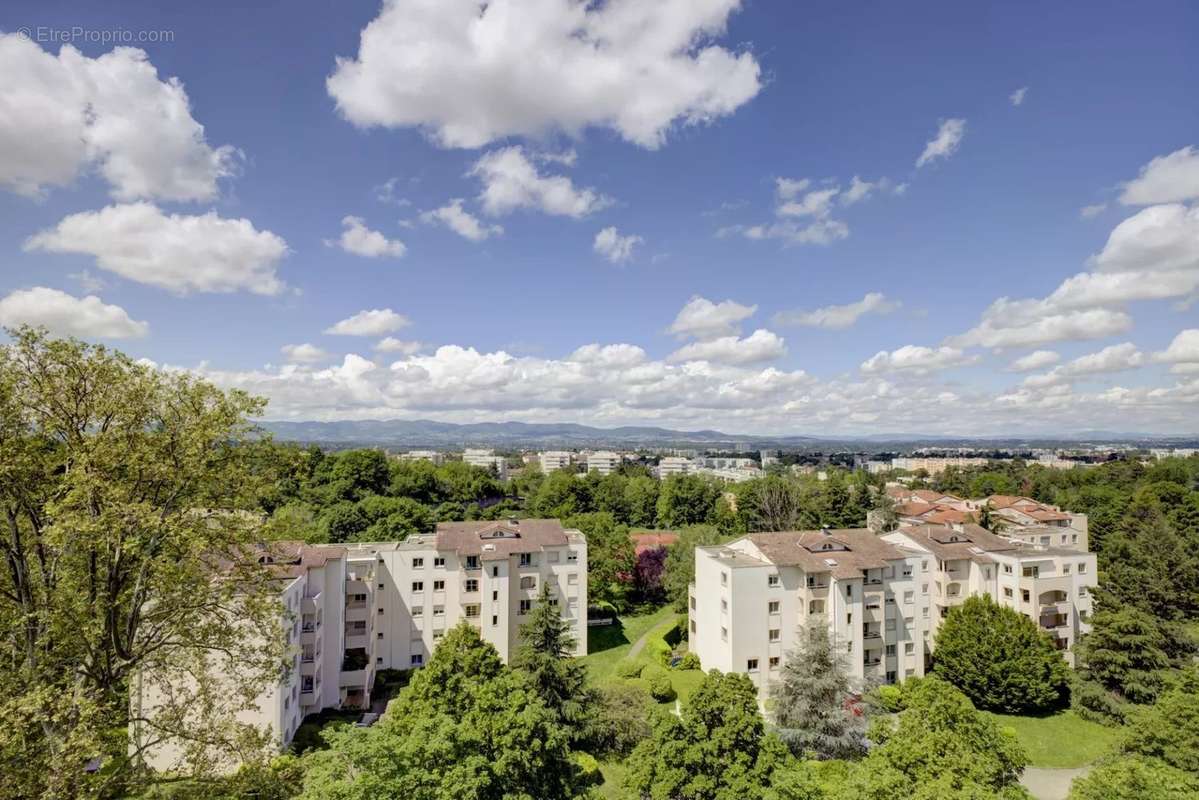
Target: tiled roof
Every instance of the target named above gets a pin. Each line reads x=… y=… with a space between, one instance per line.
x=649 y=540
x=501 y=538
x=852 y=549
x=958 y=542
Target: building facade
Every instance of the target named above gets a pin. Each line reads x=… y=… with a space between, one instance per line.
x=604 y=462
x=551 y=460
x=487 y=459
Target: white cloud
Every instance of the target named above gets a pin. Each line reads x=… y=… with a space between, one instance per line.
x=1116 y=358
x=1166 y=179
x=917 y=359
x=178 y=252
x=788 y=188
x=804 y=210
x=945 y=143
x=303 y=353
x=60 y=115
x=761 y=345
x=816 y=203
x=360 y=240
x=461 y=221
x=64 y=314
x=614 y=247
x=1091 y=211
x=704 y=319
x=838 y=317
x=1009 y=323
x=1183 y=352
x=511 y=181
x=1017 y=97
x=391 y=344
x=822 y=232
x=469 y=73
x=374 y=322
x=1158 y=238
x=1038 y=359
x=610 y=355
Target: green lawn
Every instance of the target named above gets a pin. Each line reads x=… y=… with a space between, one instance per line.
x=613 y=772
x=1059 y=740
x=609 y=644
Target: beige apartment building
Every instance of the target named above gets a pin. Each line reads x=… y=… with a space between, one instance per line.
x=487 y=459
x=551 y=460
x=882 y=597
x=352 y=610
x=604 y=462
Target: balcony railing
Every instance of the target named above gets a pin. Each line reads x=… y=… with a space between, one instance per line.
x=872 y=634
x=871 y=662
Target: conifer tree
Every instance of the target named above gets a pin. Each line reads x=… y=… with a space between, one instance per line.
x=546 y=656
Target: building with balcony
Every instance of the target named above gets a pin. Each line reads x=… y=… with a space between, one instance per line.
x=674 y=465
x=551 y=460
x=351 y=610
x=604 y=462
x=487 y=459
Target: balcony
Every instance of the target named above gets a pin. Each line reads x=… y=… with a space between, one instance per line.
x=871 y=662
x=1054 y=621
x=872 y=633
x=311 y=603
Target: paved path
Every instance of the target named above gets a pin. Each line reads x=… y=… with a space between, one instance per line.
x=1050 y=784
x=639 y=645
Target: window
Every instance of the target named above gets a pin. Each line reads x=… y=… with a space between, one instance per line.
x=472 y=562
x=552 y=556
x=924 y=566
x=1082 y=568
x=890 y=649
x=1032 y=572
x=379 y=635
x=815 y=606
x=724 y=606
x=751 y=665
x=572 y=556
x=1007 y=569
x=891 y=624
x=418 y=586
x=909 y=648
x=417 y=563
x=987 y=573
x=724 y=579
x=774 y=662
x=848 y=592
x=890 y=676
x=772 y=607
x=472 y=585
x=438 y=561
x=378 y=659
x=849 y=647
x=724 y=634
x=1044 y=540
x=525 y=605
x=526 y=559
x=439 y=611
x=1065 y=569
x=495 y=572
x=909 y=598
x=495 y=595
x=1082 y=591
x=1024 y=595
x=380 y=611
x=380 y=587
x=418 y=611
x=849 y=618
x=437 y=635
x=528 y=582
x=439 y=586
x=1074 y=538
x=1007 y=591
x=774 y=634
x=417 y=659
x=772 y=581
x=495 y=620
x=471 y=610
x=924 y=588
x=924 y=613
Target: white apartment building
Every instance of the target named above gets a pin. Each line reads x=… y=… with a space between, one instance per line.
x=422 y=455
x=674 y=465
x=935 y=466
x=752 y=596
x=882 y=597
x=351 y=610
x=604 y=462
x=487 y=459
x=551 y=460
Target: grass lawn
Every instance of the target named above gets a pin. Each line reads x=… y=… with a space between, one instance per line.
x=1059 y=740
x=613 y=772
x=609 y=644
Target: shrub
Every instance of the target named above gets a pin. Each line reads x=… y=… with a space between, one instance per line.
x=690 y=661
x=659 y=651
x=1093 y=702
x=889 y=698
x=588 y=768
x=629 y=669
x=619 y=721
x=660 y=687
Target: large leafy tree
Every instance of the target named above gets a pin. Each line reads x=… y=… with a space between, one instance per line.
x=546 y=656
x=1169 y=729
x=124 y=558
x=686 y=500
x=718 y=748
x=999 y=658
x=610 y=557
x=812 y=706
x=938 y=746
x=1139 y=778
x=1125 y=652
x=466 y=727
x=679 y=570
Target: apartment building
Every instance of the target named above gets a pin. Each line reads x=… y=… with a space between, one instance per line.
x=674 y=465
x=352 y=610
x=551 y=460
x=935 y=466
x=883 y=598
x=487 y=459
x=1020 y=518
x=604 y=462
x=752 y=596
x=422 y=455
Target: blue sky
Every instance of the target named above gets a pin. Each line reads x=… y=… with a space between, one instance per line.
x=692 y=126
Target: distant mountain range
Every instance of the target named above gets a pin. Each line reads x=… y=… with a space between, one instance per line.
x=397 y=433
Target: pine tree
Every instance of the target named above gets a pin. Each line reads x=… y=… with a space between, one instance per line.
x=812 y=711
x=546 y=656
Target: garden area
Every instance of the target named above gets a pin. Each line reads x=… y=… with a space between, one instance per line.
x=1059 y=741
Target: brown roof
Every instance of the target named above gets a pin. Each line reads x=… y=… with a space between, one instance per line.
x=950 y=543
x=651 y=540
x=502 y=538
x=285 y=558
x=852 y=549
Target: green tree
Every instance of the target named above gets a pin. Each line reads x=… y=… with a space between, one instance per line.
x=937 y=746
x=641 y=500
x=546 y=656
x=1135 y=779
x=1169 y=729
x=999 y=658
x=1125 y=653
x=122 y=489
x=561 y=495
x=359 y=473
x=717 y=749
x=686 y=500
x=680 y=562
x=811 y=707
x=619 y=719
x=610 y=557
x=393 y=518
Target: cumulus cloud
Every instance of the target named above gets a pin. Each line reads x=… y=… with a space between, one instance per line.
x=1029 y=323
x=461 y=221
x=1171 y=178
x=177 y=252
x=945 y=143
x=469 y=72
x=1038 y=359
x=511 y=182
x=838 y=317
x=917 y=359
x=609 y=355
x=614 y=247
x=303 y=353
x=803 y=210
x=1183 y=352
x=64 y=314
x=1017 y=97
x=703 y=319
x=360 y=240
x=374 y=322
x=61 y=115
x=390 y=344
x=1116 y=358
x=761 y=345
x=1158 y=239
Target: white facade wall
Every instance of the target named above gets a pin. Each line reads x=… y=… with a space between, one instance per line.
x=604 y=462
x=553 y=459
